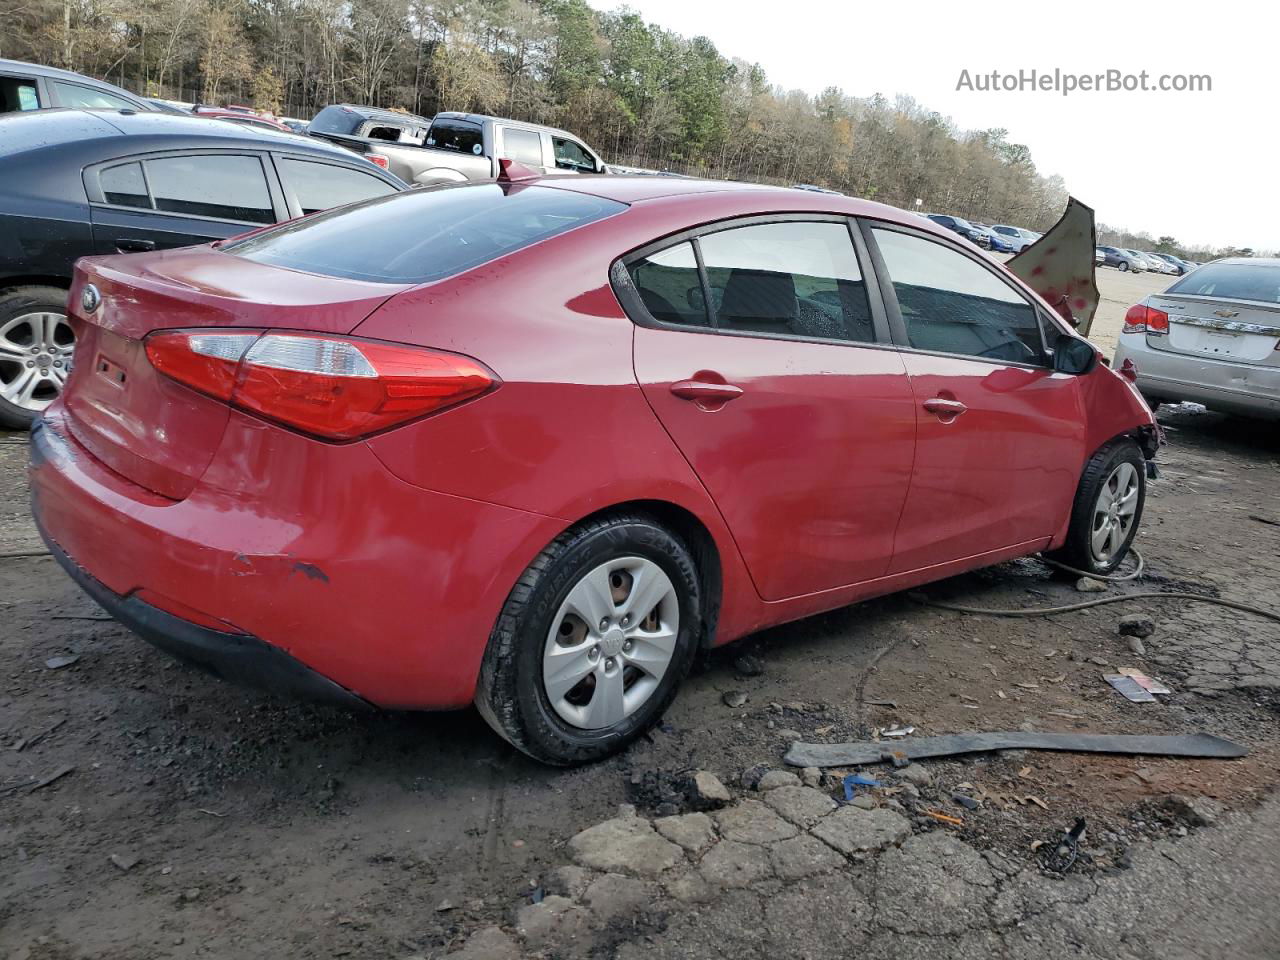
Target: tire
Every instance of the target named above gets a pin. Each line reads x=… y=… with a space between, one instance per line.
x=521 y=692
x=1117 y=467
x=1122 y=267
x=35 y=352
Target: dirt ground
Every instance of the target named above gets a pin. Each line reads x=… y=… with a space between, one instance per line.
x=198 y=819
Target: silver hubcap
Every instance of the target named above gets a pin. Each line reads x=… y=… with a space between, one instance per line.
x=610 y=643
x=35 y=358
x=1113 y=512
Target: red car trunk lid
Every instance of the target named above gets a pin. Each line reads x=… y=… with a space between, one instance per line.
x=144 y=426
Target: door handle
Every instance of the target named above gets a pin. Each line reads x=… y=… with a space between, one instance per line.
x=945 y=409
x=131 y=245
x=705 y=392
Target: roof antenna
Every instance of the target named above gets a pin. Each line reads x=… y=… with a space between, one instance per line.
x=511 y=171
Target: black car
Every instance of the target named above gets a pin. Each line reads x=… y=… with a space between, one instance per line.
x=962 y=227
x=33 y=86
x=80 y=182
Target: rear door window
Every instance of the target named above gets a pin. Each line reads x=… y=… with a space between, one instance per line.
x=952 y=304
x=420 y=236
x=88 y=98
x=523 y=146
x=798 y=279
x=319 y=186
x=124 y=186
x=225 y=187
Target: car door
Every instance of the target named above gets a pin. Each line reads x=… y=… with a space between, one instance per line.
x=766 y=358
x=1000 y=435
x=179 y=199
x=570 y=156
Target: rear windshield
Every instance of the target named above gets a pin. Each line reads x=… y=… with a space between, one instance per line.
x=1235 y=281
x=424 y=235
x=336 y=119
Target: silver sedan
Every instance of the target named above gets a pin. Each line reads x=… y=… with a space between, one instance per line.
x=1213 y=337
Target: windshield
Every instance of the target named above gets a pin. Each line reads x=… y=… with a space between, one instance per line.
x=1234 y=281
x=423 y=235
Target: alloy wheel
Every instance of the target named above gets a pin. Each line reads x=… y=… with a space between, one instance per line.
x=610 y=643
x=35 y=359
x=1113 y=512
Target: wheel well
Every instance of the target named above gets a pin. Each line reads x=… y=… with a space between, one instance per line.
x=701 y=544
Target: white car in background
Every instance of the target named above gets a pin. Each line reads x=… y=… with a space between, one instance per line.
x=1212 y=337
x=1019 y=237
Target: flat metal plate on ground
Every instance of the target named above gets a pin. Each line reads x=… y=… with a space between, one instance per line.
x=919 y=748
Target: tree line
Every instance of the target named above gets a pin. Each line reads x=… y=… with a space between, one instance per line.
x=640 y=94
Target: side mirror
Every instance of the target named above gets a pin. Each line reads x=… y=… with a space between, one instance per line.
x=1073 y=355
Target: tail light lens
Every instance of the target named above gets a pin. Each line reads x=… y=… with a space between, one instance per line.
x=377 y=160
x=1142 y=318
x=336 y=388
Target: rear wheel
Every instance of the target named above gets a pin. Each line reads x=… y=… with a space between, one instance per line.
x=593 y=641
x=1107 y=509
x=1123 y=267
x=36 y=344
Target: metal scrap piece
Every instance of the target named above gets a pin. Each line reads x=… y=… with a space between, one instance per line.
x=868 y=751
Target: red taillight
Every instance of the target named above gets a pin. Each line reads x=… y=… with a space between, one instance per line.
x=333 y=387
x=377 y=159
x=1142 y=318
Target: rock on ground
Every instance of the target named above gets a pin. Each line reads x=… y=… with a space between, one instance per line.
x=556 y=922
x=489 y=943
x=752 y=822
x=692 y=831
x=733 y=864
x=707 y=792
x=777 y=778
x=625 y=845
x=853 y=831
x=802 y=806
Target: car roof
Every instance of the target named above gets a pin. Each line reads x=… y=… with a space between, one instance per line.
x=482 y=117
x=21 y=132
x=1250 y=261
x=40 y=70
x=379 y=113
x=644 y=187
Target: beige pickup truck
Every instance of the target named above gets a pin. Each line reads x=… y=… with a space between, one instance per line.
x=452 y=147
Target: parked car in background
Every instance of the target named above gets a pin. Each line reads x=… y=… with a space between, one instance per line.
x=467 y=146
x=1163 y=265
x=32 y=86
x=996 y=242
x=294 y=124
x=80 y=182
x=1148 y=262
x=359 y=482
x=1213 y=337
x=1179 y=266
x=1099 y=258
x=242 y=115
x=368 y=123
x=1019 y=237
x=961 y=226
x=1123 y=260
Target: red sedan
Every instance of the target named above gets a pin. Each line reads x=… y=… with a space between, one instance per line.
x=531 y=444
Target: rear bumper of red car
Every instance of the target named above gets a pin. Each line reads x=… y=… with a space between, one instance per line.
x=293 y=565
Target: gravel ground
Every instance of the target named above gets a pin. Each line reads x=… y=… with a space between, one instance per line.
x=198 y=819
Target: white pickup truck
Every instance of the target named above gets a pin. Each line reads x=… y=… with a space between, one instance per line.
x=461 y=146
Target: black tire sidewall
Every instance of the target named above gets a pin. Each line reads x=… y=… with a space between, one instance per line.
x=544 y=733
x=13 y=303
x=1097 y=471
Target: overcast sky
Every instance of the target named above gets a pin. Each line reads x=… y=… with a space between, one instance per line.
x=1203 y=167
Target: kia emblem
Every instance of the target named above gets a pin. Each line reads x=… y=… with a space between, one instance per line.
x=90 y=298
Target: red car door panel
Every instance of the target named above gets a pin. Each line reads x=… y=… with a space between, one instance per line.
x=999 y=472
x=809 y=464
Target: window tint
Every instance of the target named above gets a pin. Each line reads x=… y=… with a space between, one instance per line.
x=523 y=146
x=456 y=135
x=669 y=287
x=952 y=304
x=124 y=186
x=419 y=236
x=319 y=186
x=1235 y=281
x=87 y=98
x=226 y=187
x=571 y=156
x=796 y=279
